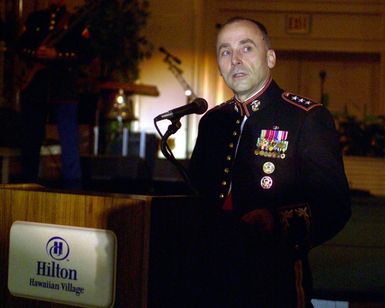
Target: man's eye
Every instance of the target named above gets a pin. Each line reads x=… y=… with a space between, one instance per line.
x=247 y=48
x=225 y=53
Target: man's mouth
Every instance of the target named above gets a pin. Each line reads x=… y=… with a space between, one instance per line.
x=239 y=75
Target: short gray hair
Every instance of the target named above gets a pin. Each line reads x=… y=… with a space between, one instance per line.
x=259 y=25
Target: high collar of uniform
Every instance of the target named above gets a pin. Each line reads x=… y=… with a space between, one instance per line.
x=252 y=104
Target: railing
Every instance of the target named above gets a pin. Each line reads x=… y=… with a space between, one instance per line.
x=366 y=173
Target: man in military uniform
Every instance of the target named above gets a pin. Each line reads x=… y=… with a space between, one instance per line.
x=269 y=162
x=53 y=46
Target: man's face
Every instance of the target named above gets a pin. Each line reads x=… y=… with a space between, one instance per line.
x=243 y=57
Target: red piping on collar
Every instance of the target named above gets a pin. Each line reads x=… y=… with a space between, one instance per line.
x=243 y=106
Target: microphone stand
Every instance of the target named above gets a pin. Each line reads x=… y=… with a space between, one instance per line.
x=178 y=73
x=165 y=149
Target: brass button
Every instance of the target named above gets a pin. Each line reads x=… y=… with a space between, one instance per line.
x=238 y=122
x=228 y=157
x=224 y=183
x=235 y=133
x=221 y=196
x=227 y=170
x=231 y=145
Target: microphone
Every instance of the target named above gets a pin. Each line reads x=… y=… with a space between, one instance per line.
x=163 y=50
x=198 y=106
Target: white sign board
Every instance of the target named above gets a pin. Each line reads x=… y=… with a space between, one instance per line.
x=63 y=264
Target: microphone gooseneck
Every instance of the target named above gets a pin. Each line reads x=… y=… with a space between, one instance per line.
x=197 y=106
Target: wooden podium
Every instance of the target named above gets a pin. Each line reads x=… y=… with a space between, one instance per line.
x=154 y=239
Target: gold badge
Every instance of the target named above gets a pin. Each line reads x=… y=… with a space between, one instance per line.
x=268 y=167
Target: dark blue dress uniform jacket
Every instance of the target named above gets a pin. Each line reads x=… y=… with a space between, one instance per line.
x=299 y=178
x=57 y=80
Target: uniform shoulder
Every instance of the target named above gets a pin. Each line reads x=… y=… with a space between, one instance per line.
x=221 y=107
x=300 y=101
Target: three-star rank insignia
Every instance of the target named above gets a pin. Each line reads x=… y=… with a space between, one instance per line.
x=300 y=101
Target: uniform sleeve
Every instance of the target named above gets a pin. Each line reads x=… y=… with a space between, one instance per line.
x=198 y=159
x=323 y=176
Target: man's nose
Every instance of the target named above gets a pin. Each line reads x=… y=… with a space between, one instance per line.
x=236 y=58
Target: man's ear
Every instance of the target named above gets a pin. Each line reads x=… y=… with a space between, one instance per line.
x=271 y=58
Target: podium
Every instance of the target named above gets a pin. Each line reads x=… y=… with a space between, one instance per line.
x=161 y=256
x=156 y=239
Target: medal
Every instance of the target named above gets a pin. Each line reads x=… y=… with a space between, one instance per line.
x=272 y=143
x=266 y=182
x=268 y=167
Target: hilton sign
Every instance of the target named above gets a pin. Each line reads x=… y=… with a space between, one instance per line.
x=62 y=264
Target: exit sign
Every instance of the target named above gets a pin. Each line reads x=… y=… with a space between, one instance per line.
x=298 y=23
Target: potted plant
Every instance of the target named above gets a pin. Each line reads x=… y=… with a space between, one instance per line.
x=116 y=28
x=117 y=38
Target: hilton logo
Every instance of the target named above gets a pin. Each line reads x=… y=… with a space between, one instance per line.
x=58 y=249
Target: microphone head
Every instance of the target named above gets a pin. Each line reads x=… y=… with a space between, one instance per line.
x=201 y=105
